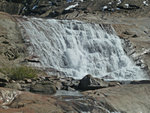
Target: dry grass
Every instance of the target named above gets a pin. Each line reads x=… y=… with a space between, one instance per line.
x=19 y=72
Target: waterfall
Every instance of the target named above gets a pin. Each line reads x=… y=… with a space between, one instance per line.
x=76 y=48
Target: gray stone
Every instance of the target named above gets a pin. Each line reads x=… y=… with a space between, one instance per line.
x=28 y=81
x=14 y=86
x=44 y=87
x=90 y=83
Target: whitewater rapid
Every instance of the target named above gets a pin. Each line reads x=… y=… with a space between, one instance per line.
x=75 y=48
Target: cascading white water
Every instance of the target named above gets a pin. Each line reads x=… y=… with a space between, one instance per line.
x=77 y=48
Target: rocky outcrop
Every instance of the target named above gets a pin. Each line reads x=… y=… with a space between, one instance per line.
x=55 y=8
x=44 y=85
x=12 y=49
x=41 y=8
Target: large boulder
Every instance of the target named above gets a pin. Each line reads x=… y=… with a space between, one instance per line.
x=90 y=83
x=44 y=87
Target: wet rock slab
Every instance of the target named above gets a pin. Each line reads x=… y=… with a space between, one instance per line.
x=35 y=103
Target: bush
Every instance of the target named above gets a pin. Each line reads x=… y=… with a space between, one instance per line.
x=19 y=72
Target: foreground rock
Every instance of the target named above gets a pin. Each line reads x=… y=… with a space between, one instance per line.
x=129 y=98
x=125 y=98
x=18 y=102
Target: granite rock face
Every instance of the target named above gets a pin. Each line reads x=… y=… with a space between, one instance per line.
x=121 y=98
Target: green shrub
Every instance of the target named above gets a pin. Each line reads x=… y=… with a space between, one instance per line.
x=19 y=72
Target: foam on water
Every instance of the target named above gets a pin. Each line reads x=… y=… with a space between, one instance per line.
x=76 y=48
